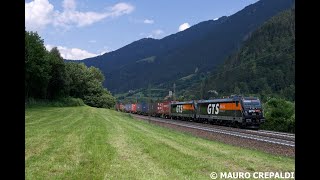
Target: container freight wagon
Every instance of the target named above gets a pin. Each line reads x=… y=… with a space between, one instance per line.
x=134 y=108
x=230 y=111
x=119 y=107
x=145 y=108
x=142 y=108
x=153 y=109
x=128 y=108
x=139 y=108
x=183 y=110
x=164 y=109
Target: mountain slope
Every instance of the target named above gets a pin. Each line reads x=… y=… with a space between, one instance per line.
x=265 y=65
x=200 y=47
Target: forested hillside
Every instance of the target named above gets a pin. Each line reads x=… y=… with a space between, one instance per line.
x=264 y=66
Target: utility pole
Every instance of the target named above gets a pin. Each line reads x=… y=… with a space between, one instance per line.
x=201 y=90
x=174 y=91
x=149 y=100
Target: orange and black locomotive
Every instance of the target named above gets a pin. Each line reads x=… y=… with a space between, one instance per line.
x=236 y=111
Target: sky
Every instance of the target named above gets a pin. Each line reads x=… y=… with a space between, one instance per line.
x=86 y=28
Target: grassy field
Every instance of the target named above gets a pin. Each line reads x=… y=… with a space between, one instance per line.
x=91 y=143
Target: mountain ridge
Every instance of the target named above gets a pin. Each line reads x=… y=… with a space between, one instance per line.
x=202 y=46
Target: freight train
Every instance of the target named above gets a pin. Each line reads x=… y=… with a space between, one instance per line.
x=236 y=111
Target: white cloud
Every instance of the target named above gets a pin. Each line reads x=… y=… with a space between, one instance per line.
x=72 y=53
x=48 y=47
x=92 y=41
x=71 y=17
x=120 y=9
x=156 y=33
x=80 y=19
x=103 y=52
x=138 y=21
x=148 y=21
x=39 y=13
x=184 y=26
x=105 y=49
x=215 y=19
x=69 y=5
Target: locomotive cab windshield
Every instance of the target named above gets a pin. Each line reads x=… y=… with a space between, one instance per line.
x=252 y=104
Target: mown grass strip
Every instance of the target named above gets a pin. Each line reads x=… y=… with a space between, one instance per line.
x=91 y=143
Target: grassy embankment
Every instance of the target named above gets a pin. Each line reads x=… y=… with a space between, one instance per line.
x=91 y=143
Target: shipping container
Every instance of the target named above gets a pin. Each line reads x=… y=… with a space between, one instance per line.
x=153 y=108
x=144 y=110
x=139 y=108
x=164 y=109
x=128 y=107
x=134 y=108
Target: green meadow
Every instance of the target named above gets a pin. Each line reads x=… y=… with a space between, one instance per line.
x=94 y=143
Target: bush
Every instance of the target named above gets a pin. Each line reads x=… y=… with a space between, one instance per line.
x=103 y=100
x=280 y=115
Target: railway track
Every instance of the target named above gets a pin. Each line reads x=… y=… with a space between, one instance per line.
x=277 y=138
x=272 y=134
x=290 y=135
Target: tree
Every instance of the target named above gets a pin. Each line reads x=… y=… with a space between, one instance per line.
x=37 y=67
x=57 y=86
x=76 y=73
x=86 y=83
x=280 y=115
